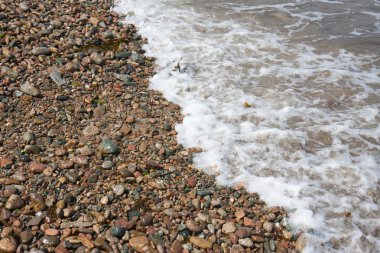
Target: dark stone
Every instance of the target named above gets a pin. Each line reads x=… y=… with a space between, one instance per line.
x=117 y=231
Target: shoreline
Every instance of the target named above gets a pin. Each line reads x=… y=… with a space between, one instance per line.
x=89 y=159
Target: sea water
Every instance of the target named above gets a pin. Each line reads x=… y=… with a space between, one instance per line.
x=282 y=97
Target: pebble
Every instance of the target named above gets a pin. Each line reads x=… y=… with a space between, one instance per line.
x=107 y=146
x=228 y=228
x=55 y=75
x=136 y=57
x=28 y=136
x=141 y=244
x=117 y=231
x=5 y=163
x=146 y=219
x=268 y=226
x=26 y=237
x=14 y=202
x=90 y=130
x=80 y=160
x=8 y=245
x=176 y=247
x=200 y=242
x=246 y=242
x=51 y=231
x=50 y=240
x=29 y=89
x=72 y=177
x=203 y=193
x=193 y=226
x=35 y=167
x=41 y=51
x=32 y=149
x=107 y=165
x=118 y=189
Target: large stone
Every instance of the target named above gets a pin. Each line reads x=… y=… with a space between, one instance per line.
x=228 y=228
x=246 y=242
x=5 y=163
x=109 y=147
x=193 y=226
x=268 y=226
x=176 y=247
x=90 y=130
x=26 y=236
x=8 y=245
x=141 y=244
x=50 y=240
x=55 y=75
x=14 y=202
x=41 y=51
x=29 y=89
x=35 y=167
x=200 y=242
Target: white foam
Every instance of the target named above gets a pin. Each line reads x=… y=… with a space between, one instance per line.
x=310 y=141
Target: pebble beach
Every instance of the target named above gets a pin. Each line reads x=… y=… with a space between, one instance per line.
x=89 y=159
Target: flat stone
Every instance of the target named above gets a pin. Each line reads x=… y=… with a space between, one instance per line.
x=80 y=160
x=237 y=249
x=72 y=177
x=123 y=55
x=35 y=221
x=192 y=181
x=141 y=244
x=26 y=237
x=200 y=242
x=29 y=89
x=51 y=231
x=117 y=231
x=8 y=245
x=193 y=226
x=5 y=163
x=138 y=58
x=28 y=136
x=257 y=238
x=301 y=243
x=125 y=129
x=118 y=189
x=50 y=240
x=248 y=222
x=32 y=149
x=55 y=75
x=123 y=77
x=228 y=228
x=246 y=242
x=35 y=167
x=85 y=241
x=107 y=164
x=97 y=58
x=101 y=243
x=268 y=227
x=41 y=51
x=133 y=213
x=14 y=202
x=239 y=214
x=76 y=224
x=146 y=219
x=91 y=130
x=204 y=192
x=109 y=147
